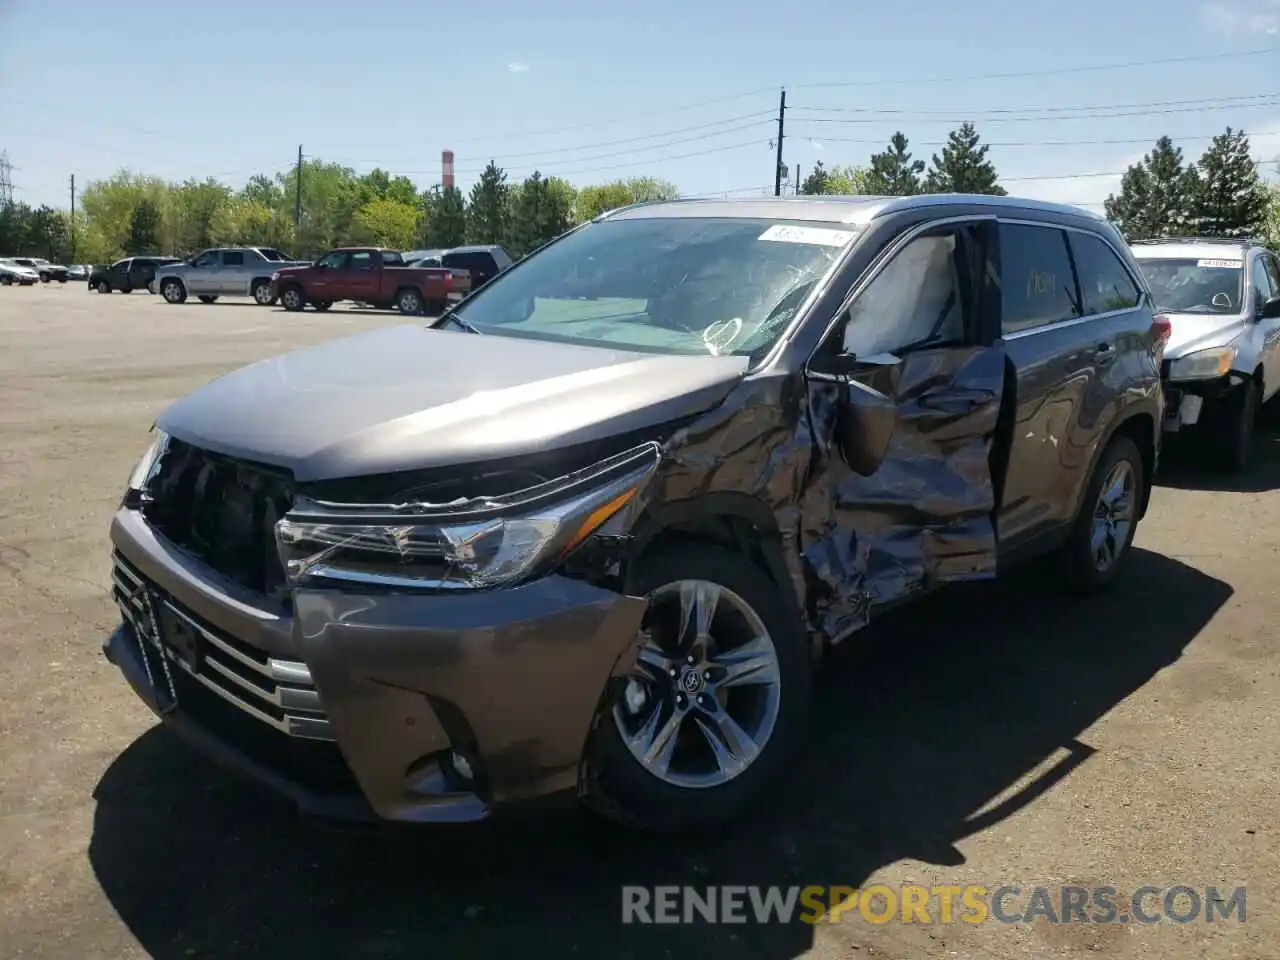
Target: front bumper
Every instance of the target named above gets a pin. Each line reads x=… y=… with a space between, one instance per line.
x=1184 y=401
x=353 y=703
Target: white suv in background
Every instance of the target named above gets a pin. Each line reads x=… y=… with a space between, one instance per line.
x=1222 y=361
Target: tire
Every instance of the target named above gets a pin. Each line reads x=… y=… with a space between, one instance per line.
x=291 y=299
x=6 y=280
x=205 y=298
x=1080 y=568
x=616 y=784
x=44 y=277
x=62 y=279
x=321 y=306
x=260 y=290
x=1231 y=428
x=173 y=291
x=409 y=302
x=103 y=287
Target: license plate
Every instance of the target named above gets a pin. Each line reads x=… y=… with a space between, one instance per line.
x=180 y=638
x=454 y=296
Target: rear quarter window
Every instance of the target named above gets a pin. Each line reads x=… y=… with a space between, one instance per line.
x=1105 y=284
x=1038 y=286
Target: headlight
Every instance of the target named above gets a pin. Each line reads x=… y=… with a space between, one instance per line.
x=1203 y=364
x=147 y=466
x=473 y=545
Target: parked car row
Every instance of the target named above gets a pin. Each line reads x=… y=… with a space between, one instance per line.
x=594 y=529
x=44 y=271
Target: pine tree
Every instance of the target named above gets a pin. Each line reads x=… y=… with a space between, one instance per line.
x=444 y=218
x=1156 y=195
x=1230 y=199
x=815 y=183
x=489 y=212
x=963 y=166
x=893 y=173
x=542 y=213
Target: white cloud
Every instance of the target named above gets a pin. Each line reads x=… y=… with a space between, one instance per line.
x=1262 y=17
x=815 y=144
x=517 y=67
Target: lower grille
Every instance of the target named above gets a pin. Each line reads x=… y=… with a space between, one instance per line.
x=279 y=693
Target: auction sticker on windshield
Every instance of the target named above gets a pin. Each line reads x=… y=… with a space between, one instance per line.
x=818 y=236
x=1226 y=264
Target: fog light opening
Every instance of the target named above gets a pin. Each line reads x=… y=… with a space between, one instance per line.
x=459 y=771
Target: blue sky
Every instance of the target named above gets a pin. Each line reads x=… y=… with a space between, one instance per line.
x=232 y=88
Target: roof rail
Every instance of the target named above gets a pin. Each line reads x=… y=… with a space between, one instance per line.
x=1248 y=241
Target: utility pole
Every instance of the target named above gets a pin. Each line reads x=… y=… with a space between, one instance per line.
x=73 y=217
x=6 y=180
x=297 y=198
x=797 y=179
x=777 y=167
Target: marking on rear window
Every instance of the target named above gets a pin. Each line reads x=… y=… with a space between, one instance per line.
x=1226 y=264
x=818 y=236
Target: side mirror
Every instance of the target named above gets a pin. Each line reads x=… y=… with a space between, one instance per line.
x=865 y=421
x=1270 y=310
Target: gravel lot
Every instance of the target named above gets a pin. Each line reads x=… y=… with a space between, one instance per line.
x=992 y=735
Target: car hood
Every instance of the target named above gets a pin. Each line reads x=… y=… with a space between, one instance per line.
x=18 y=269
x=1198 y=331
x=409 y=397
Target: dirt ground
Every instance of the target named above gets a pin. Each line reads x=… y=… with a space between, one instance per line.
x=992 y=735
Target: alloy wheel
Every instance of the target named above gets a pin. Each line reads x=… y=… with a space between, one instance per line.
x=704 y=696
x=1113 y=516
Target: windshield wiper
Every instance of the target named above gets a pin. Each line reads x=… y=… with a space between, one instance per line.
x=451 y=315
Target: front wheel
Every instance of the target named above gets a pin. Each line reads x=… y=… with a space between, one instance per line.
x=292 y=300
x=44 y=277
x=173 y=291
x=206 y=298
x=6 y=280
x=104 y=287
x=1231 y=422
x=716 y=704
x=1098 y=548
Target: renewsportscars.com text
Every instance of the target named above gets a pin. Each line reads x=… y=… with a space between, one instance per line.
x=880 y=904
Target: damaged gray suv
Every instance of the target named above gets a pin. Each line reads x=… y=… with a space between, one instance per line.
x=593 y=532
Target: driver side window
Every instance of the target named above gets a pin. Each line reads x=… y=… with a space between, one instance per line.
x=333 y=261
x=1261 y=284
x=207 y=259
x=917 y=299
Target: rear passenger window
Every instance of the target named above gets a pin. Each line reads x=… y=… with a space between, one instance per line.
x=233 y=258
x=1105 y=285
x=1038 y=286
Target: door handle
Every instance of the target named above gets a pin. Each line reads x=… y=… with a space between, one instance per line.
x=1105 y=353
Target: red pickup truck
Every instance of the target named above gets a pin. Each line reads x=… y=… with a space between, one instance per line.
x=370 y=275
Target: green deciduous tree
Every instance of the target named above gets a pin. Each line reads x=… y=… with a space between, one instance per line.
x=489 y=212
x=963 y=166
x=387 y=223
x=595 y=200
x=815 y=184
x=893 y=173
x=1156 y=195
x=144 y=227
x=1230 y=199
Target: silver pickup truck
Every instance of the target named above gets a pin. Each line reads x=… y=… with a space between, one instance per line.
x=223 y=272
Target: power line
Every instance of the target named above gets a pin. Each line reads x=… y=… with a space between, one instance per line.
x=1058 y=71
x=1116 y=141
x=1050 y=118
x=1224 y=102
x=621 y=153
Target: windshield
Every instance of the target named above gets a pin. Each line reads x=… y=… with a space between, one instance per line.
x=1195 y=286
x=683 y=285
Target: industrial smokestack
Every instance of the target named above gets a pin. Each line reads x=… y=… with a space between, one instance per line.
x=446 y=161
